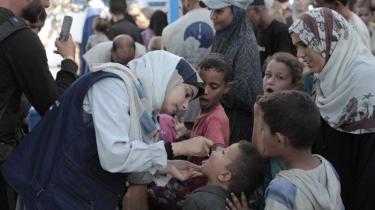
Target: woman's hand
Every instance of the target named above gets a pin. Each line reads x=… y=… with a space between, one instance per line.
x=179 y=127
x=237 y=205
x=197 y=146
x=182 y=170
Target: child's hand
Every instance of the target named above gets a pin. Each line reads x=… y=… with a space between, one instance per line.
x=179 y=127
x=237 y=205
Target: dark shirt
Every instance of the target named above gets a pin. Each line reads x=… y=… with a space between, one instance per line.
x=275 y=38
x=207 y=197
x=24 y=69
x=125 y=27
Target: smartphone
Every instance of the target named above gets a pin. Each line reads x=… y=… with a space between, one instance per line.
x=65 y=28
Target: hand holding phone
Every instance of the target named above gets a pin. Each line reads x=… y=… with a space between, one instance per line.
x=65 y=29
x=65 y=46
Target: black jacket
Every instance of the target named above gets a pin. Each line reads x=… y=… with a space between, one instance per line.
x=24 y=69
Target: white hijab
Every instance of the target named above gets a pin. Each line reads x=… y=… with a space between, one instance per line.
x=148 y=80
x=345 y=87
x=154 y=70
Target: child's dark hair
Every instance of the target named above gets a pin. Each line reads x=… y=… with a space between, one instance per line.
x=217 y=62
x=294 y=65
x=247 y=169
x=293 y=114
x=361 y=4
x=101 y=24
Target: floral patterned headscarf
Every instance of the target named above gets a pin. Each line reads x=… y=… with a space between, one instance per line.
x=344 y=88
x=321 y=29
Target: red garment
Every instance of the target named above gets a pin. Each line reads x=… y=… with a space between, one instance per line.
x=215 y=126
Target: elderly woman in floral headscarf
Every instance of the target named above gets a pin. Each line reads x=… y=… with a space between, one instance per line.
x=235 y=39
x=345 y=95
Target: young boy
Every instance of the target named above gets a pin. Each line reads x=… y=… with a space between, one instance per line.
x=290 y=122
x=236 y=169
x=212 y=123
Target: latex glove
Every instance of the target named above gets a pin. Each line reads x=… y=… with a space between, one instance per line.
x=182 y=170
x=197 y=146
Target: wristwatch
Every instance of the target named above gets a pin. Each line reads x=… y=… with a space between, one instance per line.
x=69 y=57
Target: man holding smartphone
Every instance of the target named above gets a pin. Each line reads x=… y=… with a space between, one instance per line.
x=24 y=69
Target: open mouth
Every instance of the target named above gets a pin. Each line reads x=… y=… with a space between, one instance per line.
x=203 y=101
x=269 y=90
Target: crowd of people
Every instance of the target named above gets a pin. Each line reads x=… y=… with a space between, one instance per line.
x=238 y=104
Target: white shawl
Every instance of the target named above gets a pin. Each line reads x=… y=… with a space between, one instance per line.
x=345 y=87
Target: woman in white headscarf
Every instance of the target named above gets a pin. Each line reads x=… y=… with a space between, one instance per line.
x=345 y=95
x=104 y=127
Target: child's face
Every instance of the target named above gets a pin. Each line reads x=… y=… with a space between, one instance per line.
x=219 y=160
x=178 y=98
x=214 y=87
x=270 y=141
x=301 y=5
x=277 y=78
x=365 y=14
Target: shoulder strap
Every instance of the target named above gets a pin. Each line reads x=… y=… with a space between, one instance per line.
x=11 y=25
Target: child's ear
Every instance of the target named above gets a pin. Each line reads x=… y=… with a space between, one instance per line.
x=281 y=139
x=225 y=176
x=298 y=85
x=228 y=86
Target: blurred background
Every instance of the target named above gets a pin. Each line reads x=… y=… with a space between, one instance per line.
x=80 y=10
x=140 y=10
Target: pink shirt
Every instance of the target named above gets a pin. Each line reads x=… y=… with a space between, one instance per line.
x=213 y=125
x=166 y=132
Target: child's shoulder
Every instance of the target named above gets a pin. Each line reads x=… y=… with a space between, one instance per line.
x=218 y=113
x=210 y=196
x=328 y=165
x=282 y=190
x=282 y=185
